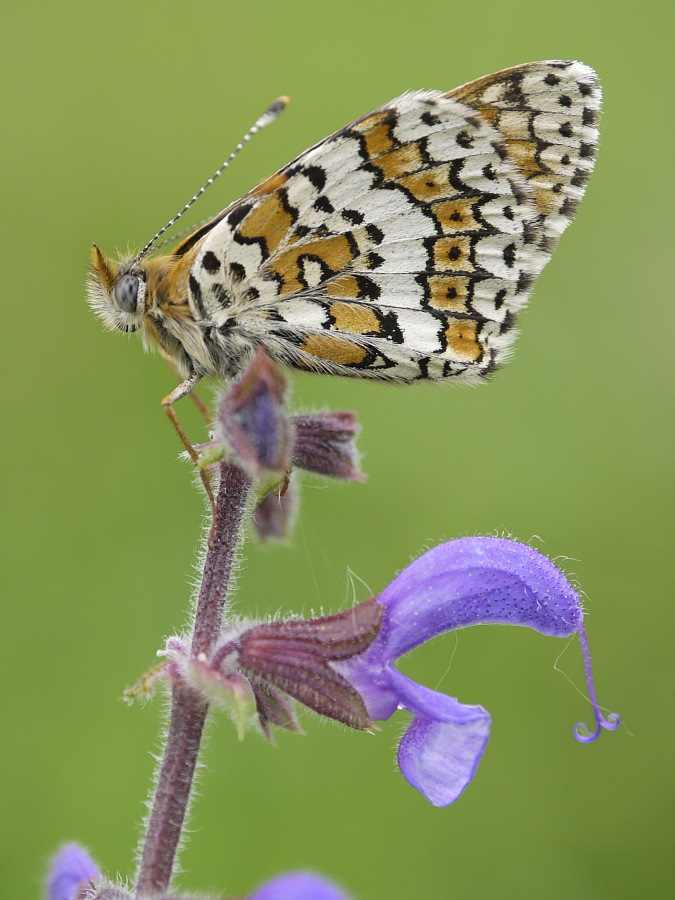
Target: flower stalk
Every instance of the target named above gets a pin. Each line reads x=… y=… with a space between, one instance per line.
x=188 y=709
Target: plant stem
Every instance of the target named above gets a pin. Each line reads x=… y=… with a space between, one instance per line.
x=172 y=796
x=235 y=486
x=188 y=710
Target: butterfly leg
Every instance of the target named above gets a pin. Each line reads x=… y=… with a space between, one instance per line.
x=183 y=389
x=201 y=406
x=196 y=399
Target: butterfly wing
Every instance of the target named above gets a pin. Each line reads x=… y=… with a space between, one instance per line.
x=403 y=246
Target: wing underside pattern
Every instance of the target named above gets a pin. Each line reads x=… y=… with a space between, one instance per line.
x=404 y=245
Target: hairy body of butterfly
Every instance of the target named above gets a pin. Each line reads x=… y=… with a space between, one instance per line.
x=400 y=247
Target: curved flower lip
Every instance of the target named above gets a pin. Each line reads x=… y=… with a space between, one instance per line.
x=469 y=581
x=298 y=886
x=71 y=868
x=475 y=581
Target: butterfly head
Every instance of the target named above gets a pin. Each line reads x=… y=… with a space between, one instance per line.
x=116 y=290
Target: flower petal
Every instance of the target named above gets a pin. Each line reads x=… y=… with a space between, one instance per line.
x=71 y=867
x=298 y=886
x=440 y=751
x=371 y=679
x=474 y=581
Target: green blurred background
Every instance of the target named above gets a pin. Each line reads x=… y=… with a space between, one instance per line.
x=114 y=114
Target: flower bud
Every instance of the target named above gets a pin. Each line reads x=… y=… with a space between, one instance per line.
x=325 y=444
x=253 y=421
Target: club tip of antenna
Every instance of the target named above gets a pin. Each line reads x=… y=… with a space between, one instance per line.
x=274 y=109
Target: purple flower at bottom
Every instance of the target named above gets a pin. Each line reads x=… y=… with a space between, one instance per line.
x=71 y=869
x=470 y=581
x=298 y=886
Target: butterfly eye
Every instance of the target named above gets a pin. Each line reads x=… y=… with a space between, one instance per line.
x=126 y=293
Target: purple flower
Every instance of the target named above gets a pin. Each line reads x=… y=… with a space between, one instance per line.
x=71 y=870
x=341 y=666
x=298 y=886
x=471 y=581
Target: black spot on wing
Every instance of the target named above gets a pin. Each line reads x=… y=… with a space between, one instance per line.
x=238 y=213
x=507 y=323
x=423 y=364
x=465 y=140
x=492 y=364
x=513 y=92
x=569 y=206
x=589 y=116
x=390 y=327
x=368 y=288
x=237 y=271
x=210 y=262
x=374 y=233
x=525 y=282
x=196 y=292
x=353 y=216
x=430 y=119
x=373 y=260
x=316 y=175
x=323 y=204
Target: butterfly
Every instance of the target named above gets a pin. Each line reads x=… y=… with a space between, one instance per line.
x=401 y=247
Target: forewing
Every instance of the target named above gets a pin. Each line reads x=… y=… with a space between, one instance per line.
x=402 y=246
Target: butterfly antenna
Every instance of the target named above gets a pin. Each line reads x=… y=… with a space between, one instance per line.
x=189 y=229
x=270 y=114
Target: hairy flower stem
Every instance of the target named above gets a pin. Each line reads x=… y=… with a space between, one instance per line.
x=188 y=709
x=174 y=785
